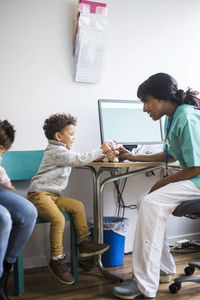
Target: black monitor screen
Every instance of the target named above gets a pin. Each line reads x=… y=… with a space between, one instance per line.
x=125 y=122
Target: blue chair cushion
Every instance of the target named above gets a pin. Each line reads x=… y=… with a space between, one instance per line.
x=22 y=165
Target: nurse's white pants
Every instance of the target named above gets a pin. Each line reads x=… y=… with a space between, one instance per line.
x=151 y=252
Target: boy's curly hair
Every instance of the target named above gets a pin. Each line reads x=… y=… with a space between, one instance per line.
x=56 y=123
x=7 y=134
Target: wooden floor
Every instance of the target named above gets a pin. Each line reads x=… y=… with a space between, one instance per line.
x=39 y=283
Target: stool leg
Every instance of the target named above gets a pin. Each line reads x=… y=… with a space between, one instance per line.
x=74 y=256
x=19 y=275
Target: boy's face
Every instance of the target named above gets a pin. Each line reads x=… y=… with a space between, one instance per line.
x=66 y=136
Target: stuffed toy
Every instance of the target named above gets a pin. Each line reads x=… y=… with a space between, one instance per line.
x=112 y=155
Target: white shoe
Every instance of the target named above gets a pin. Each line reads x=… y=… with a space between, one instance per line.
x=165 y=278
x=127 y=291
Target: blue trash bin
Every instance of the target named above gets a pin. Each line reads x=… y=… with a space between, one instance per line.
x=114 y=230
x=115 y=255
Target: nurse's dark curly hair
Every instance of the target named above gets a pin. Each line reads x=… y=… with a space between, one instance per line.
x=7 y=134
x=56 y=123
x=164 y=87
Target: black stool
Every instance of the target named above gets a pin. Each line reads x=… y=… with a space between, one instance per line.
x=190 y=209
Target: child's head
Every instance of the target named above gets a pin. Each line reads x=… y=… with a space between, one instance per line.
x=60 y=127
x=7 y=135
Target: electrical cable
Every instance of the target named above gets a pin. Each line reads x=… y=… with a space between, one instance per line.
x=194 y=246
x=137 y=150
x=162 y=172
x=120 y=201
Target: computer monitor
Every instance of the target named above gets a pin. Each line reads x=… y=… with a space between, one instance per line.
x=125 y=122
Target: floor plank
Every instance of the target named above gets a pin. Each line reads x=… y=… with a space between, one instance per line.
x=39 y=283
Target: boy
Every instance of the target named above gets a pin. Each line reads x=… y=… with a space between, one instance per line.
x=47 y=186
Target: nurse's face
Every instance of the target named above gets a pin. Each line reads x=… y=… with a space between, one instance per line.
x=154 y=107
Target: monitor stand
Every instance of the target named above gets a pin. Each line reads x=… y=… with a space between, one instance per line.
x=130 y=147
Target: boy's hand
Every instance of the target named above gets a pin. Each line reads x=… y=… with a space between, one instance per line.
x=99 y=159
x=109 y=146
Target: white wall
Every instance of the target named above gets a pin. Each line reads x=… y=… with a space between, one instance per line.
x=144 y=37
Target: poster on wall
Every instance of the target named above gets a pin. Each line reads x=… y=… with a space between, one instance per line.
x=89 y=41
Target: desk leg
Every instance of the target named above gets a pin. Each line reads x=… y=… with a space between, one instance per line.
x=98 y=187
x=98 y=224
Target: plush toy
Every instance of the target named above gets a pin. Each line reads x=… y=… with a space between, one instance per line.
x=112 y=155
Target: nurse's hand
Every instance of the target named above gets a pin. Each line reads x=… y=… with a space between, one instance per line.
x=158 y=185
x=124 y=154
x=184 y=174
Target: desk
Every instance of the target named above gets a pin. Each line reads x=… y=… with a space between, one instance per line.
x=97 y=170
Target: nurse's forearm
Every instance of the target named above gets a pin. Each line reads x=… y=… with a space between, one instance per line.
x=160 y=156
x=184 y=174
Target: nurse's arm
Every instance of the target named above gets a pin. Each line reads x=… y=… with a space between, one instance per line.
x=127 y=155
x=186 y=173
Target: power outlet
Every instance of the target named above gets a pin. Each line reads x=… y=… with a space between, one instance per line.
x=179 y=243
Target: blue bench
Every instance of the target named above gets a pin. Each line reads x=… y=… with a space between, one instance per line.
x=23 y=165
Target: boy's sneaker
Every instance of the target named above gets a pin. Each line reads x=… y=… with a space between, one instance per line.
x=165 y=278
x=88 y=248
x=58 y=269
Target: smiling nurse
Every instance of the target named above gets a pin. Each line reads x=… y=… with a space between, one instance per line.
x=152 y=261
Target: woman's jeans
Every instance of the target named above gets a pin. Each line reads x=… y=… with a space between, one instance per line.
x=17 y=221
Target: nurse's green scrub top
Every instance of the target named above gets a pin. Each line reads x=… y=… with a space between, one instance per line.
x=184 y=137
